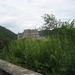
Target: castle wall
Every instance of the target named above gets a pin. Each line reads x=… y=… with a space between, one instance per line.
x=29 y=33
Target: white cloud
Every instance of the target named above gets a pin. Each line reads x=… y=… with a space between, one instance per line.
x=18 y=15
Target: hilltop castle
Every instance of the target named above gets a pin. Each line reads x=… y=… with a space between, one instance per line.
x=29 y=33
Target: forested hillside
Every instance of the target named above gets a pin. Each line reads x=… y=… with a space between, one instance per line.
x=7 y=33
x=6 y=36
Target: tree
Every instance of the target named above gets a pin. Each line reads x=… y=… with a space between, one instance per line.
x=50 y=22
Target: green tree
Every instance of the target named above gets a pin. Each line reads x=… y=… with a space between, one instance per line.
x=52 y=27
x=50 y=22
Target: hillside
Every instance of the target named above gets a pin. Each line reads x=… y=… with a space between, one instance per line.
x=7 y=33
x=6 y=36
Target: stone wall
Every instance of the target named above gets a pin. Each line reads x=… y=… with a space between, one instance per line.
x=11 y=69
x=2 y=72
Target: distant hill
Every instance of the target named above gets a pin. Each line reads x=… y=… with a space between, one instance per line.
x=6 y=36
x=7 y=33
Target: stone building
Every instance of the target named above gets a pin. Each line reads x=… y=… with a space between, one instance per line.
x=29 y=33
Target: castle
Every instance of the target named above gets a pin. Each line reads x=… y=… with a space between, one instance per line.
x=29 y=33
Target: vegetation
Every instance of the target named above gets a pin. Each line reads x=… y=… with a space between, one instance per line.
x=5 y=37
x=7 y=33
x=53 y=56
x=50 y=22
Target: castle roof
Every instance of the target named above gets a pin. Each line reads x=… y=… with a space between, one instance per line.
x=30 y=31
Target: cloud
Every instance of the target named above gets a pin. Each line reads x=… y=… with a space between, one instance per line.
x=26 y=14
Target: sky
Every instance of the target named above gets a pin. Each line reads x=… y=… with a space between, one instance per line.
x=17 y=15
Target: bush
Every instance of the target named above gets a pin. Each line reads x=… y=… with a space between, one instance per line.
x=53 y=56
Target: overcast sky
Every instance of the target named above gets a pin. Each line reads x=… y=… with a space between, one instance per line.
x=18 y=15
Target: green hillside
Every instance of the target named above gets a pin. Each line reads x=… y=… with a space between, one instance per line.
x=7 y=33
x=6 y=36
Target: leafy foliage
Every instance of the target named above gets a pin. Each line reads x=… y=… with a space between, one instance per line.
x=50 y=22
x=53 y=56
x=5 y=37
